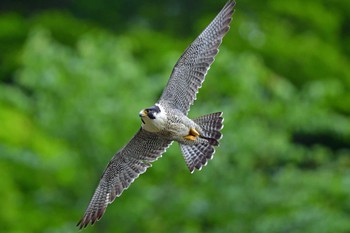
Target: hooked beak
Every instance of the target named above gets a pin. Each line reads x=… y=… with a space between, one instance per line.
x=143 y=113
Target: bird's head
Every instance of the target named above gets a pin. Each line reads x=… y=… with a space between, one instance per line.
x=154 y=118
x=149 y=113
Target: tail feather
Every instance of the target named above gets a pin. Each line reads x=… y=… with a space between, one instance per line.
x=197 y=155
x=211 y=125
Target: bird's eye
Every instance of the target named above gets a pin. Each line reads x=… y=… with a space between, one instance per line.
x=151 y=116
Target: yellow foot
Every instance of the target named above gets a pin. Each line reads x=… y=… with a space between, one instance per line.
x=192 y=135
x=193 y=132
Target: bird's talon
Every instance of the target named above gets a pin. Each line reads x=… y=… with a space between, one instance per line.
x=193 y=132
x=190 y=137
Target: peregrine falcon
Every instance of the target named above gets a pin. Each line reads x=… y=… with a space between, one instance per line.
x=167 y=121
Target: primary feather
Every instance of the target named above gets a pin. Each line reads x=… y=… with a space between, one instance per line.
x=125 y=166
x=190 y=70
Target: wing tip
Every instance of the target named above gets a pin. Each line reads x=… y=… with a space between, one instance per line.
x=90 y=218
x=228 y=11
x=230 y=4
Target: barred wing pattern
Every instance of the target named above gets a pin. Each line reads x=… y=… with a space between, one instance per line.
x=190 y=70
x=128 y=163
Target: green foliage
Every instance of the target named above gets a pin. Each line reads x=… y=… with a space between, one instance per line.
x=70 y=94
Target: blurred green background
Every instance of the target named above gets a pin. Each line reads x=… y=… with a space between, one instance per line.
x=74 y=75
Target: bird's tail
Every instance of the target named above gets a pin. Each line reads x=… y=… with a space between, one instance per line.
x=197 y=155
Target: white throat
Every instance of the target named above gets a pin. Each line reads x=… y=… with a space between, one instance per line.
x=157 y=124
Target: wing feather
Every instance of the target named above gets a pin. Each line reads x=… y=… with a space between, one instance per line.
x=125 y=166
x=190 y=70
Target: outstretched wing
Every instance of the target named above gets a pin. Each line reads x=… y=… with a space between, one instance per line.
x=190 y=70
x=125 y=166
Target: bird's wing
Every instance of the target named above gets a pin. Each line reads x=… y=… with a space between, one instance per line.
x=125 y=166
x=190 y=70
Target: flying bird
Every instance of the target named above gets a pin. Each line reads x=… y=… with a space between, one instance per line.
x=166 y=121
